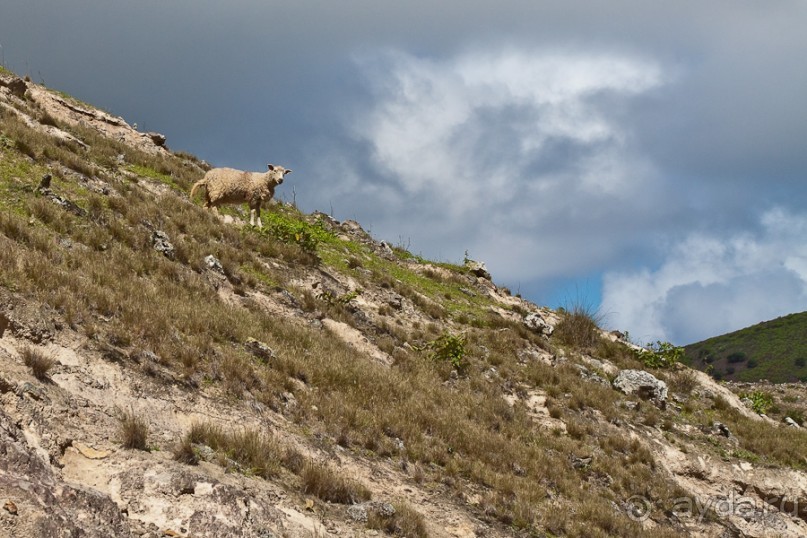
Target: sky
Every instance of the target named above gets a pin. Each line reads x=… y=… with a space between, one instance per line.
x=646 y=159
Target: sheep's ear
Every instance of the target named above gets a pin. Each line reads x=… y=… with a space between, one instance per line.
x=271 y=166
x=286 y=172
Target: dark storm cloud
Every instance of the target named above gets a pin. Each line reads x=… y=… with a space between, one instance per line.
x=555 y=140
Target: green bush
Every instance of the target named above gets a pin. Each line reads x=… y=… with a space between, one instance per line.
x=761 y=401
x=737 y=356
x=449 y=347
x=660 y=355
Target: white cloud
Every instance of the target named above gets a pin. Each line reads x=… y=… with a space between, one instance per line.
x=709 y=285
x=512 y=150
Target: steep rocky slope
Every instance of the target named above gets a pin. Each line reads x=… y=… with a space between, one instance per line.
x=168 y=372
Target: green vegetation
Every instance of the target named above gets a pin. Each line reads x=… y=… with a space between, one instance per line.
x=774 y=350
x=761 y=401
x=660 y=355
x=449 y=348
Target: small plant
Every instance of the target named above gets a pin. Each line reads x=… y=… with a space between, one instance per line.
x=343 y=300
x=737 y=356
x=578 y=327
x=38 y=362
x=323 y=482
x=660 y=355
x=184 y=452
x=684 y=382
x=133 y=430
x=761 y=401
x=404 y=521
x=449 y=347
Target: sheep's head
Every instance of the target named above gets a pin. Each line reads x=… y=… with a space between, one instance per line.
x=277 y=173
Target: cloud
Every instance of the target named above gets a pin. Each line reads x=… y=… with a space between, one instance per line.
x=709 y=285
x=511 y=153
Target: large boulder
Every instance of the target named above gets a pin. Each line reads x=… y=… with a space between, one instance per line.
x=644 y=384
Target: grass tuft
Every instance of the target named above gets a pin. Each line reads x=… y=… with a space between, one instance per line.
x=579 y=327
x=39 y=363
x=133 y=430
x=323 y=482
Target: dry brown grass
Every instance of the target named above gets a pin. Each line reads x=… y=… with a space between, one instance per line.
x=39 y=362
x=133 y=430
x=406 y=522
x=578 y=328
x=323 y=482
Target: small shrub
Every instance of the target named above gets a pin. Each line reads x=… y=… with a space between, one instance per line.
x=323 y=482
x=752 y=363
x=761 y=401
x=800 y=362
x=684 y=382
x=133 y=430
x=449 y=348
x=737 y=356
x=38 y=362
x=660 y=355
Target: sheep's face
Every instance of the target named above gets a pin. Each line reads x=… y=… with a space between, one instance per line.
x=277 y=173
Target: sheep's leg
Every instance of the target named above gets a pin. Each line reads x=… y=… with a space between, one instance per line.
x=255 y=215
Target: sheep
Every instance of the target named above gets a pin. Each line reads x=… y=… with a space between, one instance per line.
x=230 y=186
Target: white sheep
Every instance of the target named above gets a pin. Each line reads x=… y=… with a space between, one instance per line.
x=230 y=186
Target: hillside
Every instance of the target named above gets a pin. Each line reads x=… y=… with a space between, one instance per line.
x=774 y=350
x=165 y=371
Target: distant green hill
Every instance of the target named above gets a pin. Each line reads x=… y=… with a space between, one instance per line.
x=775 y=350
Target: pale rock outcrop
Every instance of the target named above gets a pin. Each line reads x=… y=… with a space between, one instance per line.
x=644 y=384
x=538 y=324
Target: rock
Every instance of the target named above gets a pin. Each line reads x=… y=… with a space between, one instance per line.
x=16 y=85
x=478 y=269
x=64 y=203
x=581 y=463
x=718 y=428
x=32 y=391
x=214 y=264
x=605 y=366
x=259 y=349
x=643 y=384
x=44 y=503
x=790 y=422
x=538 y=324
x=160 y=242
x=158 y=139
x=4 y=323
x=395 y=301
x=360 y=512
x=10 y=507
x=385 y=250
